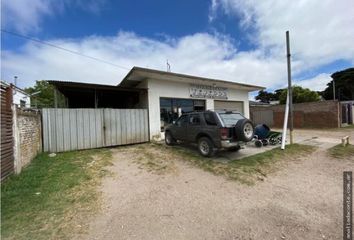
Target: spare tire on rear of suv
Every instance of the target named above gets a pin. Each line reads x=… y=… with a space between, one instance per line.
x=244 y=130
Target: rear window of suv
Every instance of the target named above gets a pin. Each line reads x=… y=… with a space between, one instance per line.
x=230 y=118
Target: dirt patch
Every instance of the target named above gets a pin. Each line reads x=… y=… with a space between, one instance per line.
x=301 y=199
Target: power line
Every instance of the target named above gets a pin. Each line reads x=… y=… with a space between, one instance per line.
x=61 y=48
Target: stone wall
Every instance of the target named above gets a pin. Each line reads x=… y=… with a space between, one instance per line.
x=322 y=114
x=28 y=136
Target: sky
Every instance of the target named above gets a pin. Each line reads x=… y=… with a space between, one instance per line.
x=235 y=40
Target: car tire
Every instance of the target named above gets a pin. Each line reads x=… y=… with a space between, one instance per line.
x=169 y=139
x=244 y=130
x=205 y=147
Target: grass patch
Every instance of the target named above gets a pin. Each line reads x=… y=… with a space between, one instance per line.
x=339 y=151
x=153 y=160
x=246 y=170
x=52 y=197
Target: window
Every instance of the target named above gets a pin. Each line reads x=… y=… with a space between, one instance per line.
x=172 y=108
x=194 y=119
x=210 y=119
x=182 y=120
x=231 y=118
x=199 y=105
x=22 y=103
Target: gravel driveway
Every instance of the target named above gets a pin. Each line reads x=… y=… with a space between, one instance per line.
x=302 y=200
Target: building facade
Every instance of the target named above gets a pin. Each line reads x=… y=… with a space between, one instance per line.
x=165 y=95
x=170 y=94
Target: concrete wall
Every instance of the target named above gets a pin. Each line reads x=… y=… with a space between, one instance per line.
x=169 y=89
x=28 y=136
x=323 y=114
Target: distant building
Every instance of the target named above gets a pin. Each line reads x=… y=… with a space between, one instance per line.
x=19 y=96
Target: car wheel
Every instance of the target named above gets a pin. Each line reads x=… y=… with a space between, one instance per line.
x=244 y=130
x=169 y=140
x=205 y=147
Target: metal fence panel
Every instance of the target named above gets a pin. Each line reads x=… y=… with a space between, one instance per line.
x=263 y=117
x=74 y=129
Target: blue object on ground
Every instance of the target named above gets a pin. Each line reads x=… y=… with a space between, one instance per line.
x=262 y=131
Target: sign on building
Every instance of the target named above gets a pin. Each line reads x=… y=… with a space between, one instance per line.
x=205 y=91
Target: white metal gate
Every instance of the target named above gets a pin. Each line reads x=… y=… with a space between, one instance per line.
x=74 y=129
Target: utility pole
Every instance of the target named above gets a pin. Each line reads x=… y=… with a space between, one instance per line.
x=334 y=90
x=290 y=92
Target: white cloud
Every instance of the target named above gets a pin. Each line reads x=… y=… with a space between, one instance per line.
x=23 y=15
x=27 y=15
x=213 y=10
x=321 y=30
x=199 y=54
x=317 y=83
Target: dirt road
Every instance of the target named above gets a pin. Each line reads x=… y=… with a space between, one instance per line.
x=302 y=200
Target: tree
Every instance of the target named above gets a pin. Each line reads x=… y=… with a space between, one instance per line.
x=266 y=97
x=43 y=94
x=343 y=83
x=300 y=95
x=277 y=94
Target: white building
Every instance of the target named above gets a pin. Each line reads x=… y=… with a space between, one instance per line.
x=166 y=95
x=170 y=94
x=19 y=96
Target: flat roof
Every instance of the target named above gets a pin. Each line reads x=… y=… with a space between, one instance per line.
x=137 y=74
x=70 y=84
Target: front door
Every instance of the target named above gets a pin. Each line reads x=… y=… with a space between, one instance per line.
x=180 y=128
x=193 y=127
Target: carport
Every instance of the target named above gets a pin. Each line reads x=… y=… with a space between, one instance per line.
x=88 y=95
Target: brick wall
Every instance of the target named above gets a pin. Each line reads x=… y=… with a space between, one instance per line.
x=28 y=137
x=322 y=114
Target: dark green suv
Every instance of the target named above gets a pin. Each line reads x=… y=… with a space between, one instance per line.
x=211 y=130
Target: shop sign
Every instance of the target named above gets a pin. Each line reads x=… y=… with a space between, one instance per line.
x=205 y=91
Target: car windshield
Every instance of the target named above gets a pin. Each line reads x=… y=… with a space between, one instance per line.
x=230 y=118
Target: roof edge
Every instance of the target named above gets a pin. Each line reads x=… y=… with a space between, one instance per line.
x=136 y=68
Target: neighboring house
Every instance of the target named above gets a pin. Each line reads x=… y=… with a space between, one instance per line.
x=166 y=95
x=19 y=96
